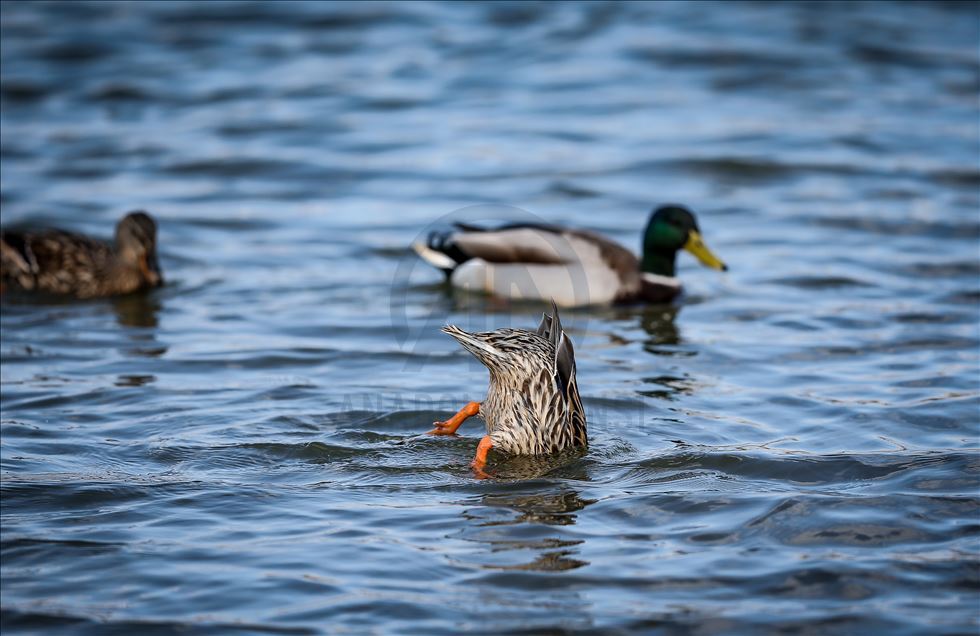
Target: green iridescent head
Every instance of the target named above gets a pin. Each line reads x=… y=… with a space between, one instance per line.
x=670 y=229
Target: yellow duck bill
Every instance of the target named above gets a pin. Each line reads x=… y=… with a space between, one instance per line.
x=695 y=245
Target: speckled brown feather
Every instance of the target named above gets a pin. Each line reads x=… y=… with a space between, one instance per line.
x=532 y=405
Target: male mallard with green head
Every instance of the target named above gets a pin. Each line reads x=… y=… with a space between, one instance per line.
x=65 y=263
x=532 y=406
x=571 y=266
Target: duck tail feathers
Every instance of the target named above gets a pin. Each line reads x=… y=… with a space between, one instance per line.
x=440 y=251
x=433 y=257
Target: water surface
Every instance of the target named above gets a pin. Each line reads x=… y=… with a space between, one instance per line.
x=791 y=448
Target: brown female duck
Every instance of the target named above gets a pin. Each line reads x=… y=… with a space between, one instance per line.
x=70 y=264
x=533 y=405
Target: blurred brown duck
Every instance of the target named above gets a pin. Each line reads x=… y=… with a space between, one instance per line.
x=65 y=263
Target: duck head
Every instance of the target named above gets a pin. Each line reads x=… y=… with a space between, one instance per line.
x=136 y=245
x=509 y=354
x=670 y=229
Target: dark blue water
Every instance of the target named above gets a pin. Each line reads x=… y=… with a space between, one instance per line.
x=793 y=448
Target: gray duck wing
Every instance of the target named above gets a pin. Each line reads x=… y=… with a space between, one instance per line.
x=565 y=373
x=550 y=327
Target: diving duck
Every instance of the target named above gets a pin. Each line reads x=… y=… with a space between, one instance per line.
x=573 y=267
x=65 y=263
x=532 y=406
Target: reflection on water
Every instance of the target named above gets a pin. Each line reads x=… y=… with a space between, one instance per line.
x=659 y=322
x=137 y=310
x=672 y=385
x=135 y=380
x=567 y=464
x=549 y=509
x=515 y=524
x=547 y=561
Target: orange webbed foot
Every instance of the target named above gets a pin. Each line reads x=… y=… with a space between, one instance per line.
x=480 y=461
x=443 y=428
x=449 y=426
x=478 y=471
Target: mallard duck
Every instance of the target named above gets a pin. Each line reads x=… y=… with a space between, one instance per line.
x=65 y=263
x=532 y=406
x=571 y=266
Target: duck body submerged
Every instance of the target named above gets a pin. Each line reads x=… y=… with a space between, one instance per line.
x=532 y=405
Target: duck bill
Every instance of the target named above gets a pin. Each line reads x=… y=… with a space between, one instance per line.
x=472 y=343
x=695 y=245
x=151 y=270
